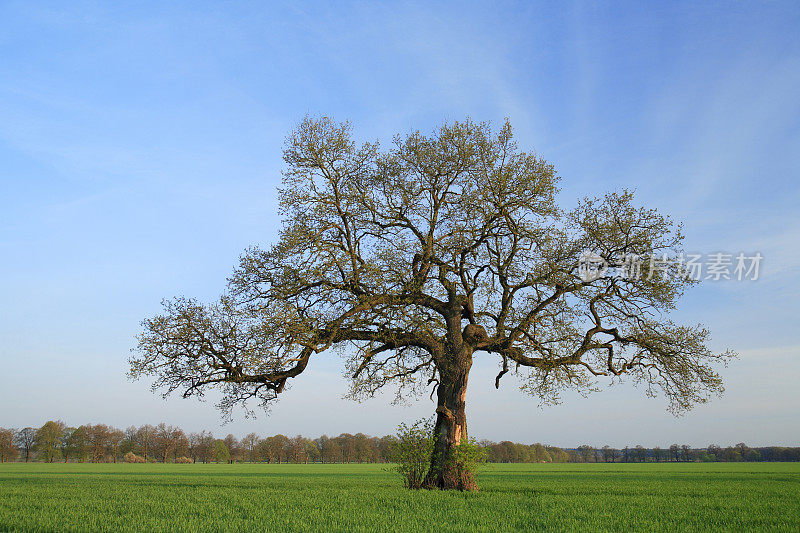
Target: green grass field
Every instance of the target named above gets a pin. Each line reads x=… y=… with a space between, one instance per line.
x=661 y=497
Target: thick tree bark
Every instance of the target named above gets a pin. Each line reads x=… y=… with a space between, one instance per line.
x=451 y=426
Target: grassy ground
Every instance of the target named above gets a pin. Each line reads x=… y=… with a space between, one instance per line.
x=662 y=497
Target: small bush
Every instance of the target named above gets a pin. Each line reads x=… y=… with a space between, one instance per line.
x=466 y=458
x=413 y=452
x=184 y=460
x=131 y=457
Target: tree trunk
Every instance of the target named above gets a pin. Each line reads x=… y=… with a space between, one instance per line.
x=451 y=426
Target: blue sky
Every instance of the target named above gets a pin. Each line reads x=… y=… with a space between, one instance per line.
x=140 y=148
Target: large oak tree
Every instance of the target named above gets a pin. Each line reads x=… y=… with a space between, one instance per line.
x=412 y=259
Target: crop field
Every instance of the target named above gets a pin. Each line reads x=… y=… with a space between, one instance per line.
x=615 y=497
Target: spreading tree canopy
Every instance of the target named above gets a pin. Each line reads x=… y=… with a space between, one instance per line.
x=412 y=259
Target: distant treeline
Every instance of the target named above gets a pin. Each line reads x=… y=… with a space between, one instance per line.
x=55 y=441
x=674 y=453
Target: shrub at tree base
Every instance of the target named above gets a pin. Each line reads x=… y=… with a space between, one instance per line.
x=465 y=458
x=413 y=453
x=415 y=447
x=184 y=460
x=131 y=457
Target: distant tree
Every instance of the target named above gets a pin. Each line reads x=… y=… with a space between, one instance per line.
x=742 y=449
x=640 y=452
x=129 y=441
x=557 y=454
x=233 y=447
x=262 y=451
x=657 y=454
x=540 y=454
x=706 y=457
x=169 y=440
x=276 y=448
x=347 y=445
x=334 y=451
x=221 y=453
x=164 y=440
x=206 y=446
x=146 y=436
x=249 y=444
x=608 y=454
x=98 y=439
x=586 y=452
x=297 y=449
x=752 y=455
x=322 y=445
x=362 y=447
x=78 y=443
x=387 y=447
x=65 y=446
x=729 y=454
x=181 y=449
x=312 y=451
x=8 y=447
x=199 y=446
x=116 y=437
x=419 y=256
x=49 y=439
x=686 y=452
x=503 y=451
x=26 y=440
x=675 y=451
x=510 y=452
x=194 y=446
x=714 y=450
